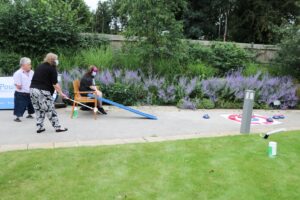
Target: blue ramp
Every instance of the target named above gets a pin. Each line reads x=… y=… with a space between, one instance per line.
x=125 y=107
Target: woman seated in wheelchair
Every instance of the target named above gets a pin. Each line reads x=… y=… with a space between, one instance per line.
x=87 y=83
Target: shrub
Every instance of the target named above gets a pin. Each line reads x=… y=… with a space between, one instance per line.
x=228 y=57
x=126 y=94
x=157 y=38
x=186 y=104
x=92 y=41
x=205 y=104
x=222 y=56
x=287 y=61
x=254 y=68
x=35 y=27
x=9 y=63
x=199 y=53
x=200 y=70
x=133 y=87
x=229 y=104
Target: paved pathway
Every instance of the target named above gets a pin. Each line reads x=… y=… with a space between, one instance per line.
x=120 y=127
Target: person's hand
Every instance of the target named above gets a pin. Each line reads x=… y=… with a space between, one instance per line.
x=64 y=96
x=19 y=87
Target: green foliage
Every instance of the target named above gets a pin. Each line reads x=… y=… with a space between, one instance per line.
x=227 y=56
x=102 y=57
x=253 y=68
x=257 y=20
x=201 y=70
x=222 y=56
x=83 y=15
x=103 y=17
x=92 y=41
x=199 y=53
x=205 y=104
x=244 y=20
x=159 y=37
x=9 y=63
x=34 y=27
x=225 y=104
x=126 y=60
x=287 y=61
x=126 y=94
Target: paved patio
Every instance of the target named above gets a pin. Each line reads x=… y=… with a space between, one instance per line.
x=120 y=127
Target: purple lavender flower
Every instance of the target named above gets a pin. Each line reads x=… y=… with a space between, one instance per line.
x=278 y=88
x=117 y=73
x=132 y=77
x=153 y=82
x=106 y=78
x=238 y=84
x=191 y=86
x=188 y=104
x=167 y=95
x=76 y=73
x=212 y=87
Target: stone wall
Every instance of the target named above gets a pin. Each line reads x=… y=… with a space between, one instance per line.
x=263 y=53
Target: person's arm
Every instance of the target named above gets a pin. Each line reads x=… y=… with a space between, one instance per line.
x=17 y=80
x=94 y=88
x=59 y=91
x=91 y=83
x=56 y=85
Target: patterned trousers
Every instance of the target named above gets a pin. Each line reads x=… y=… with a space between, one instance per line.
x=43 y=105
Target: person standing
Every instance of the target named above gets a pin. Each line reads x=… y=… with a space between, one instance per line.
x=22 y=80
x=43 y=84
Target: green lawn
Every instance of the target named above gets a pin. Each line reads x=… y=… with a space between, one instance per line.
x=235 y=167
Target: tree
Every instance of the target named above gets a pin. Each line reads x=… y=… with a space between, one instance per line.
x=200 y=19
x=103 y=17
x=83 y=16
x=153 y=24
x=257 y=20
x=239 y=20
x=33 y=27
x=287 y=61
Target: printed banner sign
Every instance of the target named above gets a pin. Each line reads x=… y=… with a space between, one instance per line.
x=7 y=90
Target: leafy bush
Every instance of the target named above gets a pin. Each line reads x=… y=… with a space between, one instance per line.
x=157 y=38
x=201 y=70
x=224 y=57
x=287 y=61
x=254 y=68
x=133 y=87
x=34 y=27
x=199 y=53
x=187 y=104
x=228 y=57
x=230 y=104
x=124 y=59
x=205 y=104
x=9 y=63
x=92 y=41
x=124 y=94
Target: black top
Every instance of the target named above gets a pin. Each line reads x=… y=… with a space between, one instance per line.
x=45 y=76
x=85 y=83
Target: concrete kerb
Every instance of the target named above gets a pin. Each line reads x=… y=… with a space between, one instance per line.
x=95 y=143
x=112 y=142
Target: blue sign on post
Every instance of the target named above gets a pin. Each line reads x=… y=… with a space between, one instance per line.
x=7 y=90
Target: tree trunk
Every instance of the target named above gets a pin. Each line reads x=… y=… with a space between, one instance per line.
x=226 y=26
